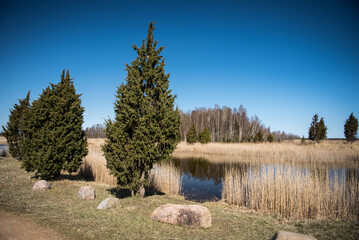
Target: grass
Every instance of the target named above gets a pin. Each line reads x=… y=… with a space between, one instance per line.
x=74 y=218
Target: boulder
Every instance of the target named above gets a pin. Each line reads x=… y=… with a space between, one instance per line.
x=86 y=192
x=186 y=215
x=41 y=185
x=109 y=202
x=283 y=235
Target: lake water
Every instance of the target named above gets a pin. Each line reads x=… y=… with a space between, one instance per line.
x=202 y=180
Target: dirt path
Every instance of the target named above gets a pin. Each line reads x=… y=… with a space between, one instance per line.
x=14 y=227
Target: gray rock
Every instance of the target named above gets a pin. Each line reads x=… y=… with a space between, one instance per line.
x=109 y=202
x=186 y=215
x=41 y=185
x=86 y=192
x=283 y=235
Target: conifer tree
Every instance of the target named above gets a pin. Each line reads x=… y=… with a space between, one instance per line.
x=258 y=137
x=204 y=136
x=146 y=125
x=317 y=130
x=270 y=138
x=351 y=128
x=14 y=131
x=56 y=140
x=191 y=136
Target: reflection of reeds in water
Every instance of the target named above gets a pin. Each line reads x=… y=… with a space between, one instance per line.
x=166 y=178
x=291 y=193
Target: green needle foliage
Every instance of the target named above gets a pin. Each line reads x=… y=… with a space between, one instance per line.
x=146 y=125
x=317 y=130
x=191 y=136
x=351 y=128
x=270 y=138
x=55 y=140
x=14 y=131
x=204 y=136
x=258 y=137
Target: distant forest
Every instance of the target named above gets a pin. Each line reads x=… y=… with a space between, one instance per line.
x=225 y=125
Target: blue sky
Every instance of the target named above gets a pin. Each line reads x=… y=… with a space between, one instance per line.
x=283 y=61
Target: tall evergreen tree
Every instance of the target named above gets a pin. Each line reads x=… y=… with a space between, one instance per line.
x=14 y=130
x=204 y=136
x=56 y=140
x=146 y=125
x=192 y=136
x=351 y=128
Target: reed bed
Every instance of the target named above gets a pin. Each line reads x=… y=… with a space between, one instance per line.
x=163 y=177
x=94 y=164
x=166 y=178
x=325 y=152
x=292 y=193
x=3 y=140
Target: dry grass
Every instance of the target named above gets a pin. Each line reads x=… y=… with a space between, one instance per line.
x=292 y=193
x=325 y=152
x=3 y=140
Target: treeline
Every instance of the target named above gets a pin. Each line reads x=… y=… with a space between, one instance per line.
x=96 y=131
x=224 y=124
x=228 y=125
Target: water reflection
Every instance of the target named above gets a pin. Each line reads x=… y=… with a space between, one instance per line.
x=202 y=180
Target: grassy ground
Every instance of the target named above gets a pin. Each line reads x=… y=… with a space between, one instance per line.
x=74 y=218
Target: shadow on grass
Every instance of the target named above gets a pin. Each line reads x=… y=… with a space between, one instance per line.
x=125 y=193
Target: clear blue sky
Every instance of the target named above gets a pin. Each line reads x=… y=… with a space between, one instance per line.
x=282 y=60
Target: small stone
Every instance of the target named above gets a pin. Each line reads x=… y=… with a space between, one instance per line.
x=41 y=185
x=186 y=215
x=86 y=192
x=109 y=202
x=283 y=235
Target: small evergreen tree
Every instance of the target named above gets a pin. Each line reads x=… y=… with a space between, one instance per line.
x=303 y=141
x=258 y=137
x=55 y=139
x=317 y=130
x=312 y=128
x=351 y=128
x=14 y=131
x=191 y=136
x=204 y=136
x=270 y=138
x=146 y=125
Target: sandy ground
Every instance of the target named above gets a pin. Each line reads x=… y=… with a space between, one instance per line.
x=14 y=227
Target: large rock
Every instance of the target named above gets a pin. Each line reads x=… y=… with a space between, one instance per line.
x=86 y=192
x=186 y=215
x=41 y=185
x=283 y=235
x=109 y=202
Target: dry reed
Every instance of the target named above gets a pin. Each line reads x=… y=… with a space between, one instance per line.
x=163 y=177
x=3 y=140
x=325 y=152
x=292 y=193
x=94 y=164
x=166 y=178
